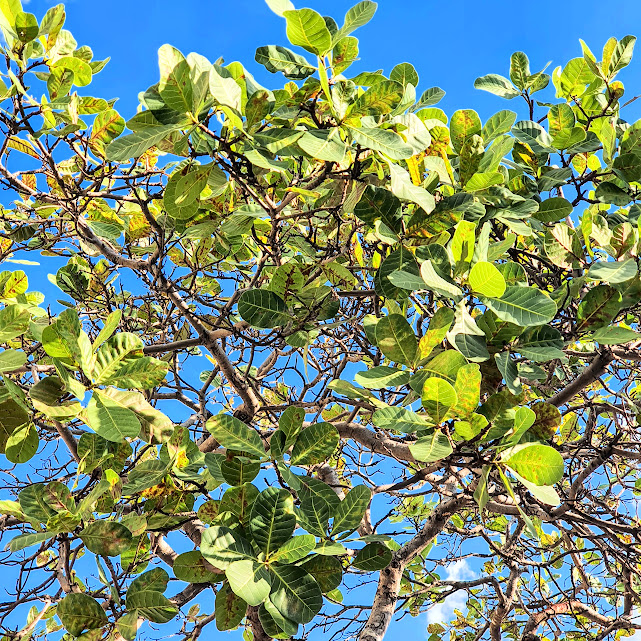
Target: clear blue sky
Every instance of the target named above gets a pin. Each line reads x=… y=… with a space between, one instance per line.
x=449 y=43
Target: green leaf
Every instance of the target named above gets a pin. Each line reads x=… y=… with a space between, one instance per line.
x=377 y=204
x=239 y=501
x=403 y=188
x=349 y=514
x=292 y=65
x=233 y=434
x=380 y=99
x=509 y=371
x=23 y=541
x=262 y=308
x=438 y=397
x=298 y=547
x=463 y=125
x=275 y=625
x=613 y=272
x=221 y=546
x=431 y=448
x=11 y=360
x=553 y=209
x=615 y=335
x=272 y=521
x=111 y=420
x=315 y=444
x=519 y=69
x=533 y=134
x=396 y=339
x=498 y=85
x=373 y=557
x=444 y=365
x=493 y=157
x=82 y=73
x=26 y=27
x=405 y=74
x=429 y=97
x=544 y=493
x=106 y=538
x=326 y=570
x=14 y=321
x=237 y=470
x=249 y=580
x=598 y=308
x=540 y=344
x=621 y=56
x=79 y=612
x=523 y=420
x=399 y=418
x=323 y=144
x=119 y=350
x=175 y=87
x=151 y=605
x=539 y=464
x=295 y=593
x=500 y=123
x=225 y=90
x=359 y=15
x=22 y=444
x=383 y=140
x=484 y=180
x=524 y=306
x=193 y=568
x=381 y=377
x=437 y=284
x=307 y=29
x=487 y=280
x=136 y=144
x=230 y=609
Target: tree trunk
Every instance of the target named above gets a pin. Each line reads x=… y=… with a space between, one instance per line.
x=389 y=581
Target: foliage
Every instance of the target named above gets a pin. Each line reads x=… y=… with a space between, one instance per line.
x=421 y=336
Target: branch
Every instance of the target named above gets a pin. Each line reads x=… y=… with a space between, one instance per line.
x=590 y=374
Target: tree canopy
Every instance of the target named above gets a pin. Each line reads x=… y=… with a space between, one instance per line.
x=306 y=339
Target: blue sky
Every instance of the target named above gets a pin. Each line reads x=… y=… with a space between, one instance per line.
x=449 y=43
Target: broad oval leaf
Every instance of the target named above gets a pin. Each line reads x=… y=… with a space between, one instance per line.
x=193 y=568
x=295 y=593
x=262 y=308
x=431 y=448
x=221 y=546
x=235 y=435
x=524 y=306
x=230 y=609
x=487 y=280
x=272 y=521
x=396 y=339
x=79 y=612
x=315 y=444
x=438 y=397
x=106 y=538
x=373 y=557
x=249 y=580
x=539 y=464
x=307 y=29
x=349 y=514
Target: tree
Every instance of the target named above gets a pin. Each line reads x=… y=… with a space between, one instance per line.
x=420 y=330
